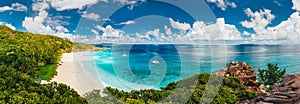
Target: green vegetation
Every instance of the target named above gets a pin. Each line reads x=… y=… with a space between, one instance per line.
x=230 y=92
x=48 y=71
x=270 y=76
x=77 y=47
x=27 y=52
x=34 y=54
x=19 y=88
x=23 y=57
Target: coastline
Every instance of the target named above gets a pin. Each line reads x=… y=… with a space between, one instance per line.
x=71 y=73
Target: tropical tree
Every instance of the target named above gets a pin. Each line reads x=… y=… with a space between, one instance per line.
x=268 y=77
x=22 y=55
x=230 y=93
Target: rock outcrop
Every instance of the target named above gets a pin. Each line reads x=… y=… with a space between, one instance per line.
x=288 y=92
x=245 y=75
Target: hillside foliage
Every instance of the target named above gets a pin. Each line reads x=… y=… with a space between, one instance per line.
x=25 y=57
x=22 y=57
x=182 y=92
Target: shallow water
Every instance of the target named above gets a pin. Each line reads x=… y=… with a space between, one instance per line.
x=130 y=67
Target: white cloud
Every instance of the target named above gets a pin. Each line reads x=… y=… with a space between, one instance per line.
x=61 y=5
x=128 y=22
x=296 y=5
x=199 y=31
x=277 y=2
x=130 y=3
x=81 y=39
x=106 y=1
x=223 y=4
x=19 y=7
x=65 y=35
x=109 y=31
x=216 y=31
x=151 y=36
x=142 y=37
x=44 y=24
x=8 y=25
x=259 y=20
x=232 y=4
x=245 y=33
x=57 y=20
x=40 y=6
x=91 y=16
x=5 y=8
x=95 y=32
x=286 y=30
x=61 y=29
x=179 y=26
x=121 y=1
x=14 y=7
x=168 y=30
x=36 y=24
x=106 y=19
x=156 y=33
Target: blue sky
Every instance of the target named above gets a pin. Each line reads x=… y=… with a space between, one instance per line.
x=156 y=20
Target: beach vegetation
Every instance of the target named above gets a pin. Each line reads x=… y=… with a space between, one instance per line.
x=31 y=53
x=179 y=92
x=25 y=57
x=268 y=77
x=48 y=71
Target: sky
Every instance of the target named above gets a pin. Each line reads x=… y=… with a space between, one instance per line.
x=157 y=21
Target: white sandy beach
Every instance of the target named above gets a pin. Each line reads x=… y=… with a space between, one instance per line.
x=79 y=71
x=72 y=74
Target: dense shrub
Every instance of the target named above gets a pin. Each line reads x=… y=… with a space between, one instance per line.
x=22 y=55
x=230 y=92
x=270 y=76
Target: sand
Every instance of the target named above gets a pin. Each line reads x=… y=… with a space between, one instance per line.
x=71 y=73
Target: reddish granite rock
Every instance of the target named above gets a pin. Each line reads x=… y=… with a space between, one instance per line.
x=244 y=73
x=239 y=69
x=288 y=78
x=288 y=92
x=296 y=84
x=277 y=100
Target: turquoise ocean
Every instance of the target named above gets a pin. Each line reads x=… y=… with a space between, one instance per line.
x=144 y=66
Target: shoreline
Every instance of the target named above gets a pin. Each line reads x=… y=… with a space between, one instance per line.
x=71 y=73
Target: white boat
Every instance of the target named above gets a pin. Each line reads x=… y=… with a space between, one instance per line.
x=155 y=62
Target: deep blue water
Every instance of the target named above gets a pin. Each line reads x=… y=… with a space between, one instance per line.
x=133 y=63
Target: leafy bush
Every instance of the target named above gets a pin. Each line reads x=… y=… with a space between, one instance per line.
x=28 y=52
x=230 y=92
x=24 y=56
x=270 y=76
x=17 y=88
